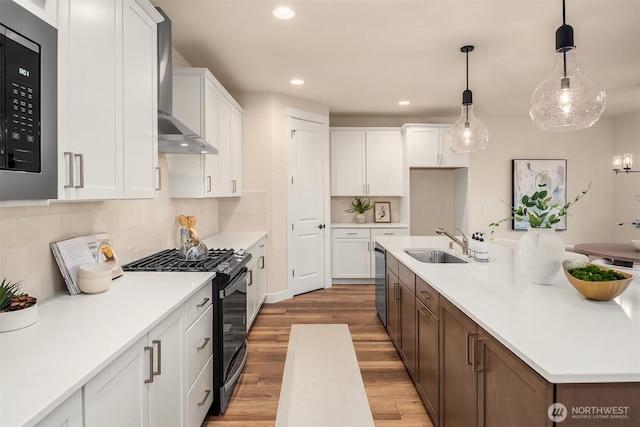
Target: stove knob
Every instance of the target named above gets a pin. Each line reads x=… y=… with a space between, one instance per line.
x=241 y=252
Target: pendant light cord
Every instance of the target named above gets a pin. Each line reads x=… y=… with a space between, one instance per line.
x=564 y=50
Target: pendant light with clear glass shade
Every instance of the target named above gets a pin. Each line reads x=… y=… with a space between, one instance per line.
x=568 y=99
x=467 y=134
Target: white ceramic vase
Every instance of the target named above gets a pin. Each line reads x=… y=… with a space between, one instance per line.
x=12 y=320
x=540 y=251
x=360 y=218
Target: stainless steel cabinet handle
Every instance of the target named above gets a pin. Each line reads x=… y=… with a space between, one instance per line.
x=159 y=344
x=250 y=278
x=206 y=396
x=208 y=183
x=471 y=335
x=159 y=180
x=81 y=169
x=233 y=182
x=477 y=355
x=262 y=262
x=150 y=379
x=69 y=183
x=424 y=312
x=203 y=303
x=425 y=295
x=368 y=189
x=204 y=344
x=352 y=234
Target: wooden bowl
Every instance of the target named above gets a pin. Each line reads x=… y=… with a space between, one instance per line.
x=597 y=291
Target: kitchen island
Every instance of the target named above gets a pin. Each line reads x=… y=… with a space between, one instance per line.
x=568 y=342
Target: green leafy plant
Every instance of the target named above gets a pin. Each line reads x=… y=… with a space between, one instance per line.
x=538 y=209
x=11 y=299
x=360 y=205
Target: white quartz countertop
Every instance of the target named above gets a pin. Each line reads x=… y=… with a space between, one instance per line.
x=77 y=336
x=233 y=240
x=554 y=329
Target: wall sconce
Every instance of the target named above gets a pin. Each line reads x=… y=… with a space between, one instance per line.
x=623 y=163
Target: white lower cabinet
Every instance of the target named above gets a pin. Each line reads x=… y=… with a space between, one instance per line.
x=142 y=387
x=199 y=355
x=257 y=282
x=352 y=251
x=68 y=414
x=200 y=397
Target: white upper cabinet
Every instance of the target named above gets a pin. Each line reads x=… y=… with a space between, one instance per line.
x=366 y=162
x=140 y=103
x=107 y=99
x=201 y=102
x=427 y=147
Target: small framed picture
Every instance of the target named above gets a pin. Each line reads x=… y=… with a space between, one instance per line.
x=382 y=212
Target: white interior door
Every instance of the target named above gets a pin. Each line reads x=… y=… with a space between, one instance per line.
x=306 y=199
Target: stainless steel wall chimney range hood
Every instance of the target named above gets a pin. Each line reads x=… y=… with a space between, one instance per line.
x=173 y=136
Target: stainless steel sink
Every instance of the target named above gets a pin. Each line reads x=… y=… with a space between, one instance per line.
x=434 y=256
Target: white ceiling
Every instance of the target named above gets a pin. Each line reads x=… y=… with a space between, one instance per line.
x=360 y=57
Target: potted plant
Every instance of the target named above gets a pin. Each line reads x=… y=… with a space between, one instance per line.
x=540 y=248
x=360 y=206
x=17 y=309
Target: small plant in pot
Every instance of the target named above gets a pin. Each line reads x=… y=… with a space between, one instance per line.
x=17 y=309
x=540 y=249
x=360 y=205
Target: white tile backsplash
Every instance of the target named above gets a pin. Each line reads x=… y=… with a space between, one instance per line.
x=136 y=228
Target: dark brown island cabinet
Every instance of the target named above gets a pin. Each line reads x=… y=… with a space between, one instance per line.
x=465 y=377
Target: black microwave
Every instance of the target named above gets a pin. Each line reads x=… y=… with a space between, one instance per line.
x=28 y=105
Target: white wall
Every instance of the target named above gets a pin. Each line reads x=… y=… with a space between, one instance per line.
x=265 y=169
x=626 y=187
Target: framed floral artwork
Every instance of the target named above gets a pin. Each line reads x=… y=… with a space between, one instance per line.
x=382 y=212
x=528 y=174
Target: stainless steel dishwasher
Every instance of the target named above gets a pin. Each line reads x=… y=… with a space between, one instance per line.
x=380 y=283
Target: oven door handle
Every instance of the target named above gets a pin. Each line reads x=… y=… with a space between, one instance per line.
x=231 y=381
x=235 y=285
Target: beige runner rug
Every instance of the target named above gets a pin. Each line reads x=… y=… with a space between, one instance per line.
x=322 y=385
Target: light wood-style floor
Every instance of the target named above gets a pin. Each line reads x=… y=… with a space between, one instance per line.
x=392 y=396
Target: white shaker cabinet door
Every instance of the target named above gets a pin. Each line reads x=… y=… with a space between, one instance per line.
x=236 y=153
x=140 y=118
x=348 y=173
x=384 y=163
x=118 y=395
x=90 y=146
x=423 y=145
x=166 y=392
x=67 y=414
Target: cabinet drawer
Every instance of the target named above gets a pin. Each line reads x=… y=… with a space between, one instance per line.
x=407 y=277
x=199 y=345
x=427 y=295
x=389 y=232
x=392 y=263
x=350 y=233
x=197 y=304
x=200 y=397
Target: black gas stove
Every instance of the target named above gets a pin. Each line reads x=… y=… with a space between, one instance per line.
x=229 y=310
x=219 y=260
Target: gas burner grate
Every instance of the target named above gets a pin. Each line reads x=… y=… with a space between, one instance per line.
x=168 y=260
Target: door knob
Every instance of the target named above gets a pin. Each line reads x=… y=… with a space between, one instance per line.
x=321 y=226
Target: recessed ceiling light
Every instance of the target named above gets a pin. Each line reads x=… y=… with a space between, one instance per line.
x=404 y=102
x=283 y=12
x=184 y=144
x=297 y=82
